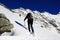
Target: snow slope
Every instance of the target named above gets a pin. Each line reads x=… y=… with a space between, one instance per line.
x=20 y=33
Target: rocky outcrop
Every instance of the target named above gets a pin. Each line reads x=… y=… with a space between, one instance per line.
x=5 y=25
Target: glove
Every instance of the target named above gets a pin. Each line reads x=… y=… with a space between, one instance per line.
x=24 y=19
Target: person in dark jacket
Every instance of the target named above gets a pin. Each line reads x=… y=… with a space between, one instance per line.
x=30 y=22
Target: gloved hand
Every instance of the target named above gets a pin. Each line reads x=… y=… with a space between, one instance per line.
x=24 y=19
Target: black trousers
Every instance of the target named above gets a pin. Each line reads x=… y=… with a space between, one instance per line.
x=30 y=25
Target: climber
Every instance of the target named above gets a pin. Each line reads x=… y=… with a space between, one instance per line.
x=30 y=22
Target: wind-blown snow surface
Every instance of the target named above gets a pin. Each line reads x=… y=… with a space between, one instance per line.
x=48 y=33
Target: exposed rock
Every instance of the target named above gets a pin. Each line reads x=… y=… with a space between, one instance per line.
x=5 y=25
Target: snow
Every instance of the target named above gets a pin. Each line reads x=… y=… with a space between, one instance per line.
x=22 y=34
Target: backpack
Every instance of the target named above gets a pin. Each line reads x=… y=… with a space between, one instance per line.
x=30 y=16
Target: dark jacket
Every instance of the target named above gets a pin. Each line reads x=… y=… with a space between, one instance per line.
x=29 y=17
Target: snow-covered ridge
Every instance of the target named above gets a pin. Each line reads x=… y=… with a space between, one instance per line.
x=45 y=25
x=37 y=15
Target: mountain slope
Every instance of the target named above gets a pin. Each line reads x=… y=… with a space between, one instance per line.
x=48 y=33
